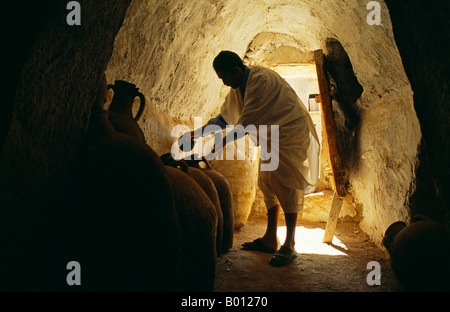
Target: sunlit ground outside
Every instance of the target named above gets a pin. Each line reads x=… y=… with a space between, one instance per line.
x=309 y=241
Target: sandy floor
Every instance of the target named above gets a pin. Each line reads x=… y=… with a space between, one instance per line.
x=318 y=267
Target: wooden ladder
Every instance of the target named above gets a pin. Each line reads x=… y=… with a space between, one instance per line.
x=338 y=174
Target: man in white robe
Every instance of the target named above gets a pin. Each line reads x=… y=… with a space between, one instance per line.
x=260 y=96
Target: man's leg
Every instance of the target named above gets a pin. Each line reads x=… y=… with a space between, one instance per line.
x=287 y=252
x=270 y=238
x=269 y=241
x=291 y=224
x=292 y=203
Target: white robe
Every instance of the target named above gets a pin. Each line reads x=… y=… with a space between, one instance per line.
x=269 y=100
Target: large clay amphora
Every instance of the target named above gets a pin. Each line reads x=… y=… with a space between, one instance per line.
x=124 y=94
x=420 y=254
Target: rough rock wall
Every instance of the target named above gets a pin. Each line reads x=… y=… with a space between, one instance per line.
x=57 y=80
x=385 y=153
x=168 y=48
x=422 y=33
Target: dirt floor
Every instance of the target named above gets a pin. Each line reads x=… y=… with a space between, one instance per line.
x=318 y=267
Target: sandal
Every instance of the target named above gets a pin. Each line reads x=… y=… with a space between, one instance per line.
x=257 y=245
x=283 y=256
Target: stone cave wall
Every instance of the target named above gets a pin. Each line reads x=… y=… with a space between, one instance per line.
x=54 y=78
x=422 y=31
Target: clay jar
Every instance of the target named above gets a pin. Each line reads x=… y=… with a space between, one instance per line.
x=117 y=214
x=121 y=109
x=225 y=198
x=242 y=177
x=420 y=254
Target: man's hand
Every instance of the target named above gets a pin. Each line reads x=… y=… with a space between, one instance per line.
x=183 y=140
x=195 y=135
x=217 y=153
x=214 y=151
